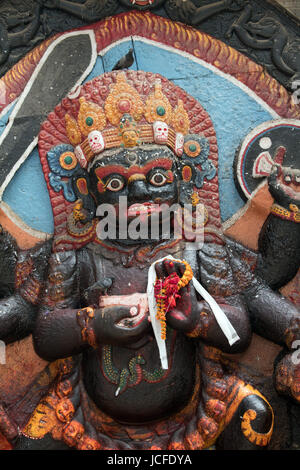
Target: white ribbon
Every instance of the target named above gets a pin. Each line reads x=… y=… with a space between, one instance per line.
x=220 y=316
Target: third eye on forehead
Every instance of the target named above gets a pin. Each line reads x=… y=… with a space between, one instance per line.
x=136 y=156
x=142 y=156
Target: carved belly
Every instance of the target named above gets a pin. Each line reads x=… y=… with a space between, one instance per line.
x=130 y=386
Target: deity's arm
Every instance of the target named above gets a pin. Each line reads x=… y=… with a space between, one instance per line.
x=70 y=319
x=210 y=332
x=272 y=315
x=57 y=333
x=215 y=274
x=21 y=283
x=193 y=313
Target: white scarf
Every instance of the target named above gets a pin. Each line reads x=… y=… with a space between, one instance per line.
x=220 y=316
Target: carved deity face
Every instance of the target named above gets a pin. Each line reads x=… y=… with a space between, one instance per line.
x=73 y=433
x=147 y=176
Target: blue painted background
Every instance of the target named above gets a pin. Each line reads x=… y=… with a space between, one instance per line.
x=233 y=112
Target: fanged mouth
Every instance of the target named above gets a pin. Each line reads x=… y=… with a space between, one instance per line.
x=143 y=209
x=141 y=3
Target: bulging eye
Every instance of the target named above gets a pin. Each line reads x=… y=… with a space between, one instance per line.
x=115 y=184
x=158 y=179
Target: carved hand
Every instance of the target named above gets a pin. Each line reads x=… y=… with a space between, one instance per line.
x=185 y=315
x=287 y=376
x=123 y=322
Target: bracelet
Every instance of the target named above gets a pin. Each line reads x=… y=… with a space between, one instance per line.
x=87 y=333
x=293 y=215
x=202 y=327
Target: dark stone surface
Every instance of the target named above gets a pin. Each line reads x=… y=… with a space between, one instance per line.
x=39 y=102
x=57 y=19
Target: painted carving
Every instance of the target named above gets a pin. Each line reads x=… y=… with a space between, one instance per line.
x=270 y=152
x=188 y=12
x=45 y=18
x=21 y=133
x=94 y=10
x=269 y=34
x=90 y=10
x=91 y=317
x=95 y=316
x=11 y=39
x=271 y=143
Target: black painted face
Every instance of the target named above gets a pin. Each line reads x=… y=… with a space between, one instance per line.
x=144 y=179
x=142 y=175
x=142 y=4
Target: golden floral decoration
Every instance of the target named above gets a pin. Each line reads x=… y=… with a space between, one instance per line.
x=91 y=117
x=180 y=119
x=157 y=107
x=123 y=99
x=73 y=131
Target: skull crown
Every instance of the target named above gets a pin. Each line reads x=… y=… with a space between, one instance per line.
x=126 y=121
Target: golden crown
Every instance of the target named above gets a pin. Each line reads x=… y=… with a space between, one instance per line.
x=126 y=120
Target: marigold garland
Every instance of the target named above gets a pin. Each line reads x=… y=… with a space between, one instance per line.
x=166 y=293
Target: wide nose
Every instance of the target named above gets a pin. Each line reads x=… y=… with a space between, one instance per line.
x=138 y=190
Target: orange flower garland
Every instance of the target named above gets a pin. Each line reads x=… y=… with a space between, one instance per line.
x=166 y=293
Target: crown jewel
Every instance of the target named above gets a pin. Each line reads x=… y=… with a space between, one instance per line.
x=126 y=120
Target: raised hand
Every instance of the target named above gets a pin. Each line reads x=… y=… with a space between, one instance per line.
x=184 y=315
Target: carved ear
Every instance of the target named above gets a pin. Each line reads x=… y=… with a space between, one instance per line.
x=187 y=174
x=81 y=184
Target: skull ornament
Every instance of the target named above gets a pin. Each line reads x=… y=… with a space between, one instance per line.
x=73 y=433
x=160 y=131
x=179 y=142
x=65 y=410
x=96 y=141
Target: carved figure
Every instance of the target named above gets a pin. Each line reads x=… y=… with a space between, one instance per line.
x=10 y=40
x=182 y=10
x=90 y=10
x=281 y=229
x=270 y=152
x=22 y=276
x=269 y=33
x=188 y=12
x=122 y=380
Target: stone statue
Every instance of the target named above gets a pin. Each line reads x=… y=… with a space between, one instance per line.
x=121 y=377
